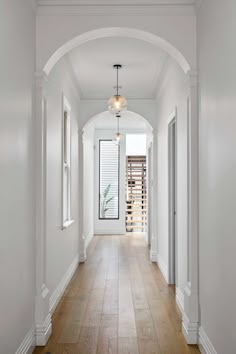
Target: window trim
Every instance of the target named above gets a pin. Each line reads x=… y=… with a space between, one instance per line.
x=99 y=169
x=66 y=216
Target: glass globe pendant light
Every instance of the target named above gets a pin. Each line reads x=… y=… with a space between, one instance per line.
x=118 y=134
x=117 y=103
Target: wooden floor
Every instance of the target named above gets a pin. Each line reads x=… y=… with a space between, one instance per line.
x=117 y=302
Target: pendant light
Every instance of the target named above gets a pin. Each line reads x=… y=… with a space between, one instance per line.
x=117 y=103
x=118 y=134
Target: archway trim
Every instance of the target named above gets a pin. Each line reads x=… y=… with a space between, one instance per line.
x=116 y=32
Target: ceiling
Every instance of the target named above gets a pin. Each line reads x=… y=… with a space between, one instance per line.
x=92 y=66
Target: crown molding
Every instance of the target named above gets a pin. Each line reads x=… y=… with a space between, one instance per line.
x=75 y=8
x=108 y=2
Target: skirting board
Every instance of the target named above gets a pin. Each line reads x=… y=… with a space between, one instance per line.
x=163 y=267
x=204 y=343
x=179 y=299
x=88 y=239
x=153 y=256
x=58 y=292
x=28 y=344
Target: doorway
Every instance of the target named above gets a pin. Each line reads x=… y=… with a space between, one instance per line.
x=172 y=161
x=136 y=184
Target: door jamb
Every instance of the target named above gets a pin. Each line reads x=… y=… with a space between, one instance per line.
x=172 y=240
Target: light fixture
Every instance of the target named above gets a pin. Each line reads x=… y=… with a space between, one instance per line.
x=118 y=134
x=117 y=103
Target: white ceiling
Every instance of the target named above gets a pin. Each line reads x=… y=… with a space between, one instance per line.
x=92 y=65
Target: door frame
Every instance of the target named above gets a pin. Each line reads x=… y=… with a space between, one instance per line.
x=172 y=200
x=149 y=194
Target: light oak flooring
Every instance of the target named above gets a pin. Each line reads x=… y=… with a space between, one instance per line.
x=117 y=302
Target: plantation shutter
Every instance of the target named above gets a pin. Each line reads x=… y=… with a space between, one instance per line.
x=109 y=155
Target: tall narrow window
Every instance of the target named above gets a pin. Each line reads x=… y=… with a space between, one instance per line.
x=66 y=165
x=109 y=156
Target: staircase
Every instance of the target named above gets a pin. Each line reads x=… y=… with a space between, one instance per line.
x=136 y=194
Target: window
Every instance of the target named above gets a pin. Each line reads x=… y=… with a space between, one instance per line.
x=66 y=165
x=109 y=160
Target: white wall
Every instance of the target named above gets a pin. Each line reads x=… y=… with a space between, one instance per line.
x=17 y=253
x=173 y=94
x=88 y=166
x=217 y=58
x=136 y=144
x=62 y=245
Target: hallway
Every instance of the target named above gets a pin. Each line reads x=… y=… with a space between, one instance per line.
x=117 y=302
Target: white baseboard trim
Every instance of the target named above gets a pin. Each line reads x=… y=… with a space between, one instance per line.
x=190 y=330
x=88 y=239
x=163 y=267
x=58 y=292
x=43 y=331
x=153 y=256
x=28 y=344
x=204 y=343
x=179 y=296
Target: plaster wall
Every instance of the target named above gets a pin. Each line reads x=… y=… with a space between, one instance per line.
x=173 y=95
x=217 y=57
x=62 y=245
x=17 y=251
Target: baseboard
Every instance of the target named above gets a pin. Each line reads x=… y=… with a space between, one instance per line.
x=88 y=239
x=204 y=343
x=43 y=331
x=163 y=267
x=153 y=256
x=58 y=292
x=189 y=330
x=28 y=344
x=179 y=296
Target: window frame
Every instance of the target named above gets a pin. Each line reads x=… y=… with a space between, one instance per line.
x=99 y=170
x=66 y=164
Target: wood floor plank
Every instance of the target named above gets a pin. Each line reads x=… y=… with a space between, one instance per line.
x=147 y=346
x=108 y=335
x=128 y=346
x=110 y=304
x=117 y=303
x=88 y=340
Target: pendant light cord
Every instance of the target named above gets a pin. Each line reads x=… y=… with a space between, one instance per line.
x=117 y=92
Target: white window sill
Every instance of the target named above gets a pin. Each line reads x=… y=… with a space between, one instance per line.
x=67 y=224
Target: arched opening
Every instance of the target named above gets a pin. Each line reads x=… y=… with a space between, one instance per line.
x=125 y=208
x=155 y=87
x=117 y=32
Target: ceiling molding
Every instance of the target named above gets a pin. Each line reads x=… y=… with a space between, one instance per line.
x=115 y=3
x=75 y=9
